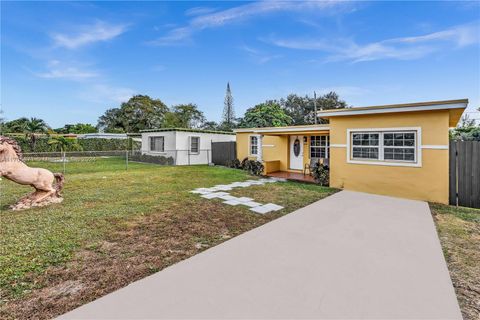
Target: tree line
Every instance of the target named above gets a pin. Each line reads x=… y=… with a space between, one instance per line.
x=142 y=112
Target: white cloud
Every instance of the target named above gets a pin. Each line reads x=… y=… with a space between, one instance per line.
x=405 y=48
x=104 y=93
x=258 y=56
x=68 y=73
x=99 y=31
x=220 y=18
x=175 y=36
x=462 y=35
x=198 y=11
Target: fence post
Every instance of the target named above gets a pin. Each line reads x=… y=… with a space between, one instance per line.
x=188 y=151
x=126 y=159
x=64 y=162
x=208 y=156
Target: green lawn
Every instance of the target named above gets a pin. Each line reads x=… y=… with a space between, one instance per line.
x=117 y=226
x=459 y=233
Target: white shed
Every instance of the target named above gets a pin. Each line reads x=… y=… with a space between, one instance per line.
x=185 y=146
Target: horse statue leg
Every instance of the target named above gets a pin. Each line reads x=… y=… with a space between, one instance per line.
x=46 y=185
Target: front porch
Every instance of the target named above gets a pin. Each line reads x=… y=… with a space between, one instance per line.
x=286 y=151
x=294 y=176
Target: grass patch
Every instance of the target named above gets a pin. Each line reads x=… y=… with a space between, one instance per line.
x=117 y=226
x=459 y=232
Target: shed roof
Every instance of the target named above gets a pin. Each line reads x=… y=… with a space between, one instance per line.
x=187 y=130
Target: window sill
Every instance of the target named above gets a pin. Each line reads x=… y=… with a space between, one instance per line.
x=386 y=163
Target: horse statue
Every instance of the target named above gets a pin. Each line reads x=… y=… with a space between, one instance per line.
x=47 y=185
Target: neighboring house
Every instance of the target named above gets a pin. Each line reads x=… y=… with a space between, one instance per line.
x=185 y=146
x=398 y=150
x=100 y=135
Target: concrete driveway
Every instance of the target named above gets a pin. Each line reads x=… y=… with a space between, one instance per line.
x=351 y=255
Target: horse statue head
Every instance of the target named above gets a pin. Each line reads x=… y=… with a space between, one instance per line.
x=10 y=150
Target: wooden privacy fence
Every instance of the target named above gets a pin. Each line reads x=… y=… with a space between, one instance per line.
x=223 y=152
x=465 y=173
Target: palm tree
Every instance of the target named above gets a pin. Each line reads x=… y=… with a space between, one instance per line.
x=63 y=144
x=34 y=126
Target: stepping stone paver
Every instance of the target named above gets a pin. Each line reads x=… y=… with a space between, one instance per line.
x=223 y=187
x=232 y=202
x=244 y=199
x=273 y=206
x=266 y=208
x=251 y=204
x=260 y=209
x=214 y=195
x=228 y=197
x=218 y=192
x=198 y=191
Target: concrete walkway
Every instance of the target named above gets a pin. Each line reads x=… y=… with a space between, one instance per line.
x=351 y=255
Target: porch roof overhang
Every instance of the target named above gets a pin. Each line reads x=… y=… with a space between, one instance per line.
x=291 y=130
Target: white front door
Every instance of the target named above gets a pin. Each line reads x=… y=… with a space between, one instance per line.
x=296 y=152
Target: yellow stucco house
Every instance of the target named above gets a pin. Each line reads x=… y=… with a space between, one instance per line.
x=398 y=150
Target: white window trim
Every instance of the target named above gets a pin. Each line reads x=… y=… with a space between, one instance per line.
x=190 y=144
x=250 y=154
x=150 y=144
x=326 y=147
x=394 y=163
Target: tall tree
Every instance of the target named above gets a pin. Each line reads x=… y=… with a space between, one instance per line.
x=297 y=107
x=64 y=144
x=184 y=116
x=16 y=126
x=210 y=125
x=78 y=128
x=228 y=120
x=32 y=127
x=302 y=109
x=466 y=130
x=139 y=113
x=268 y=114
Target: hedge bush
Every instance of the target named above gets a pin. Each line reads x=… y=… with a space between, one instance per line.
x=251 y=166
x=94 y=144
x=321 y=174
x=151 y=159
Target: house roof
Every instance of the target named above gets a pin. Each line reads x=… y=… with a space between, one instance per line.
x=286 y=130
x=455 y=107
x=187 y=130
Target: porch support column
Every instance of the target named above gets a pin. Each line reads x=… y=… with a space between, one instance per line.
x=260 y=148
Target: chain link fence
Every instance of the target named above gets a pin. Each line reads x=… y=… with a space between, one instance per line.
x=78 y=161
x=84 y=161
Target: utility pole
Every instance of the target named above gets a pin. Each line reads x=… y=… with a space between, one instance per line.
x=315 y=106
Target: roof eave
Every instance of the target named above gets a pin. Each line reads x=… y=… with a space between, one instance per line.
x=300 y=128
x=186 y=130
x=367 y=111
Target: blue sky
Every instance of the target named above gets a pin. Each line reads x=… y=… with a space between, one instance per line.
x=67 y=62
